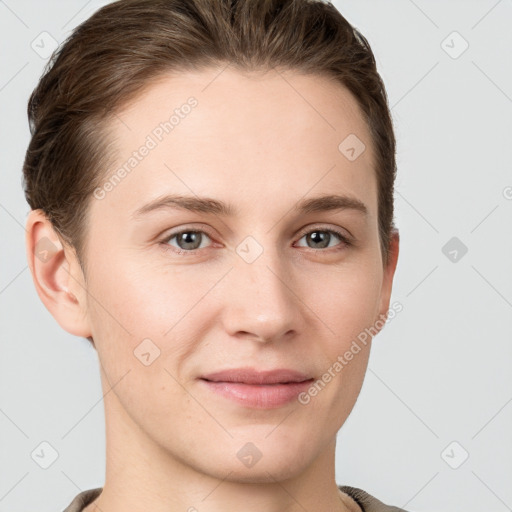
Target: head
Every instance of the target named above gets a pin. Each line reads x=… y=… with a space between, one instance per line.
x=246 y=114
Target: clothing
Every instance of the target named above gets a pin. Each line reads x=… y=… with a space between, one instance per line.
x=363 y=499
x=367 y=502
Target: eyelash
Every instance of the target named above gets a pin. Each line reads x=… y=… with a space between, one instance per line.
x=344 y=239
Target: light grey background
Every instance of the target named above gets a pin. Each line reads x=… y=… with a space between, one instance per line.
x=439 y=373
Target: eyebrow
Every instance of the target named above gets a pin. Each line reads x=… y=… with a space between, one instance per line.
x=215 y=207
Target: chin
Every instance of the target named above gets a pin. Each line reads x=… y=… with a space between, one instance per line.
x=262 y=473
x=261 y=461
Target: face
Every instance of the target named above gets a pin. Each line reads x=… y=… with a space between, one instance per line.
x=176 y=294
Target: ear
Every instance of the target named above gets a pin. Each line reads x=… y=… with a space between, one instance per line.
x=57 y=275
x=389 y=273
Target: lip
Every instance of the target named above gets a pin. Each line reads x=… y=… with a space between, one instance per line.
x=253 y=376
x=267 y=389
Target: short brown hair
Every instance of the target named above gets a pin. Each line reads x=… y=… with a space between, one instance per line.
x=127 y=44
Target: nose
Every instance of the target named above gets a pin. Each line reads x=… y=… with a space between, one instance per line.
x=261 y=299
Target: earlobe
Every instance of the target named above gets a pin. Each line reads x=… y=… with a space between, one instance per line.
x=56 y=274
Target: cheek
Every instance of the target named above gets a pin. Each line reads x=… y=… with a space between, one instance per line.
x=348 y=303
x=137 y=300
x=142 y=313
x=133 y=312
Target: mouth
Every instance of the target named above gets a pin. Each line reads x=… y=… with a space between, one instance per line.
x=253 y=376
x=257 y=389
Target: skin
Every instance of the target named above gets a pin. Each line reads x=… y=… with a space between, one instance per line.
x=257 y=143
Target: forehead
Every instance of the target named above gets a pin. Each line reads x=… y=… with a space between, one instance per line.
x=249 y=135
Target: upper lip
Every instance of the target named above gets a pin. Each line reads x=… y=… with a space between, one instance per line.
x=253 y=376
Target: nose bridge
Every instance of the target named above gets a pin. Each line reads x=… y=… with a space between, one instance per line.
x=262 y=302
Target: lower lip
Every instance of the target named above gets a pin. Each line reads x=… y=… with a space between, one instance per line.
x=259 y=396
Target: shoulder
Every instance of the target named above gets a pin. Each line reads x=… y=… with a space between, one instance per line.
x=367 y=502
x=83 y=499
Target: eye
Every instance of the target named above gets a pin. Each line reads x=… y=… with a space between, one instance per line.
x=187 y=240
x=322 y=238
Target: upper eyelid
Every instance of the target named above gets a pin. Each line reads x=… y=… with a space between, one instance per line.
x=307 y=230
x=187 y=230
